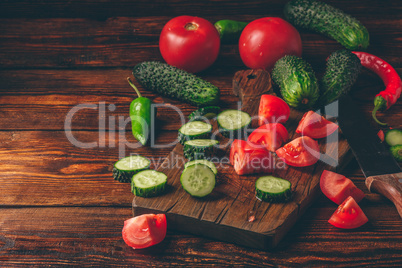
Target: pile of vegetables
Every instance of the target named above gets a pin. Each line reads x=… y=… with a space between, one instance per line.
x=191 y=44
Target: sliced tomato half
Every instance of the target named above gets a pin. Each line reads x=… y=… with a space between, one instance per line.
x=145 y=230
x=246 y=158
x=271 y=136
x=272 y=109
x=300 y=152
x=337 y=187
x=348 y=215
x=315 y=126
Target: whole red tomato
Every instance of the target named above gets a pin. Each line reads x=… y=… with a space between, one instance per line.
x=266 y=40
x=189 y=43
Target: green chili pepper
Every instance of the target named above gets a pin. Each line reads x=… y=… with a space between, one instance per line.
x=140 y=114
x=230 y=30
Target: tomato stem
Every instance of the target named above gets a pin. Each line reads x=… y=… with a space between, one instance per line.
x=191 y=26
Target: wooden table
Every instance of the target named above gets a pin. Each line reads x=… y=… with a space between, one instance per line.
x=60 y=206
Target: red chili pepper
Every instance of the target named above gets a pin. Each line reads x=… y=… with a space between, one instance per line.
x=389 y=76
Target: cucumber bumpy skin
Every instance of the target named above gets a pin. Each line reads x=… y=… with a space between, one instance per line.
x=297 y=82
x=273 y=189
x=203 y=113
x=343 y=68
x=148 y=183
x=199 y=149
x=329 y=21
x=176 y=83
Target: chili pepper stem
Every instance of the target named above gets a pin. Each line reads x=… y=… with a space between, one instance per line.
x=133 y=86
x=376 y=108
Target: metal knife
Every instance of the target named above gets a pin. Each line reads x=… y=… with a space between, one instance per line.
x=383 y=174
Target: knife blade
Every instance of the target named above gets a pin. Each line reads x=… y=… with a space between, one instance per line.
x=383 y=174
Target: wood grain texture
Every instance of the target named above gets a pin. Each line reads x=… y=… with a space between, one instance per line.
x=124 y=41
x=42 y=99
x=224 y=213
x=59 y=205
x=91 y=236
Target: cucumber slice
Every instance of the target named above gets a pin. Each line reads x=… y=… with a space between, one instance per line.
x=148 y=183
x=199 y=149
x=396 y=151
x=125 y=168
x=194 y=130
x=198 y=180
x=204 y=113
x=204 y=162
x=393 y=137
x=233 y=123
x=273 y=189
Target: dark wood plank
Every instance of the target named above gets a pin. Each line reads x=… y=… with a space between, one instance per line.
x=142 y=8
x=49 y=168
x=224 y=214
x=125 y=41
x=42 y=99
x=91 y=236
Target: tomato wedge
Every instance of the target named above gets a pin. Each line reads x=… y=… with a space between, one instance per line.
x=145 y=230
x=348 y=215
x=247 y=158
x=315 y=126
x=337 y=187
x=271 y=136
x=272 y=109
x=300 y=152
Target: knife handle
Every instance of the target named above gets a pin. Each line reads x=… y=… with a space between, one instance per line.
x=389 y=185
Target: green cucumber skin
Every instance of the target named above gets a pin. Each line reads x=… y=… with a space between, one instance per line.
x=125 y=176
x=176 y=83
x=230 y=30
x=200 y=114
x=149 y=192
x=283 y=196
x=396 y=152
x=297 y=82
x=343 y=68
x=183 y=138
x=274 y=198
x=198 y=152
x=329 y=21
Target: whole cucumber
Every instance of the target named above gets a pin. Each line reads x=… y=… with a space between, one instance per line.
x=328 y=20
x=176 y=83
x=230 y=30
x=343 y=68
x=297 y=82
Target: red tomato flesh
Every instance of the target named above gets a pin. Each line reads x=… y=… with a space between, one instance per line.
x=337 y=187
x=315 y=126
x=145 y=230
x=300 y=152
x=272 y=109
x=381 y=135
x=271 y=136
x=247 y=158
x=348 y=215
x=189 y=43
x=264 y=41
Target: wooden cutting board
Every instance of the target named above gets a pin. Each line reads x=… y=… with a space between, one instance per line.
x=227 y=213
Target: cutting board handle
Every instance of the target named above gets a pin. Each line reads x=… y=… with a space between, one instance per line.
x=389 y=185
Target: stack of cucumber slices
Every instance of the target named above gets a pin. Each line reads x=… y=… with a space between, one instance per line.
x=199 y=175
x=144 y=182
